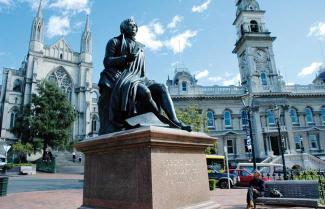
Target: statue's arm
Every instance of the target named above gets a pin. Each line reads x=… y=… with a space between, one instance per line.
x=112 y=60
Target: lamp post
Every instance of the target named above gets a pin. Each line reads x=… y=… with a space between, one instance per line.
x=247 y=101
x=278 y=118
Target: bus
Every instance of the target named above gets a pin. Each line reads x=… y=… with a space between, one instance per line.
x=217 y=162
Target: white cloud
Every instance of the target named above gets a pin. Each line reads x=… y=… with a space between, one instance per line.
x=177 y=19
x=58 y=26
x=202 y=7
x=232 y=81
x=148 y=36
x=313 y=68
x=158 y=28
x=317 y=30
x=179 y=42
x=74 y=6
x=215 y=78
x=201 y=74
x=5 y=2
x=290 y=84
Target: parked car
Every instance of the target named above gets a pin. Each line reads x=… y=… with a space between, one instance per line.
x=222 y=178
x=245 y=177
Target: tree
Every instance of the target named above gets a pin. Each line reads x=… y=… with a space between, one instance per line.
x=22 y=150
x=193 y=116
x=47 y=118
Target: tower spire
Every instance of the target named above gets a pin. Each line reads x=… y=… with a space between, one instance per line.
x=39 y=11
x=87 y=26
x=86 y=43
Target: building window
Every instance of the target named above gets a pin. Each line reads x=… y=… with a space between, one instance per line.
x=17 y=87
x=227 y=119
x=244 y=118
x=94 y=124
x=322 y=112
x=13 y=118
x=210 y=116
x=254 y=26
x=230 y=146
x=313 y=142
x=184 y=86
x=298 y=142
x=270 y=117
x=294 y=116
x=264 y=79
x=309 y=116
x=94 y=96
x=63 y=80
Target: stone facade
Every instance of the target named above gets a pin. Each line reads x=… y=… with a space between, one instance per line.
x=302 y=107
x=71 y=70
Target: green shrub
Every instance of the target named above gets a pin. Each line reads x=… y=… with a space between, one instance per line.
x=12 y=165
x=212 y=184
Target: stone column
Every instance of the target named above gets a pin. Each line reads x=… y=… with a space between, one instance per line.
x=258 y=134
x=291 y=139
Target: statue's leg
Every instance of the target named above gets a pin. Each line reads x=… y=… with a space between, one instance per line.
x=162 y=97
x=103 y=109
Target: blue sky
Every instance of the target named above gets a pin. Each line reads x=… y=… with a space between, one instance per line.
x=201 y=29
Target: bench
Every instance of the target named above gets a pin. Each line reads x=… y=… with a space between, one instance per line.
x=295 y=193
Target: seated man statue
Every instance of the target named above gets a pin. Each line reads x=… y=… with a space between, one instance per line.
x=125 y=91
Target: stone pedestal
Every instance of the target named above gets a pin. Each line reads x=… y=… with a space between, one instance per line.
x=147 y=168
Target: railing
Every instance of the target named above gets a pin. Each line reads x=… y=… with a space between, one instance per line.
x=305 y=89
x=274 y=129
x=212 y=91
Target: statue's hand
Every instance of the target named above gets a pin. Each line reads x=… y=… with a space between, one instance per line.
x=131 y=57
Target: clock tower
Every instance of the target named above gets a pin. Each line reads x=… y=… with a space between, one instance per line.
x=254 y=49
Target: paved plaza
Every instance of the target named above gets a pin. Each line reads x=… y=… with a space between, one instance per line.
x=53 y=191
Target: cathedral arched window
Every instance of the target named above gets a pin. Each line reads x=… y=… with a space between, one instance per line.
x=294 y=116
x=210 y=116
x=17 y=87
x=309 y=116
x=264 y=79
x=227 y=119
x=94 y=125
x=63 y=80
x=94 y=96
x=254 y=26
x=13 y=117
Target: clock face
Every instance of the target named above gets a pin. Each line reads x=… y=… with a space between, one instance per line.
x=260 y=56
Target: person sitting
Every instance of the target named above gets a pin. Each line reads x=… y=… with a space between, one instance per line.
x=255 y=190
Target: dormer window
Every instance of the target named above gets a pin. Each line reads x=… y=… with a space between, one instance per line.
x=254 y=26
x=184 y=86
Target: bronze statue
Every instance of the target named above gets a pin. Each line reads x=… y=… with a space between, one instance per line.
x=125 y=91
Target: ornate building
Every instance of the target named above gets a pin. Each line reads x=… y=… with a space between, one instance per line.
x=71 y=70
x=302 y=107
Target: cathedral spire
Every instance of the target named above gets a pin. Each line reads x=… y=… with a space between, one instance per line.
x=86 y=42
x=39 y=11
x=87 y=26
x=37 y=31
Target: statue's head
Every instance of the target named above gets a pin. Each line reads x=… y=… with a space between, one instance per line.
x=129 y=27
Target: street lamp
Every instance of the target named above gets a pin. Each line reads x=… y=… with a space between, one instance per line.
x=302 y=148
x=277 y=111
x=247 y=101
